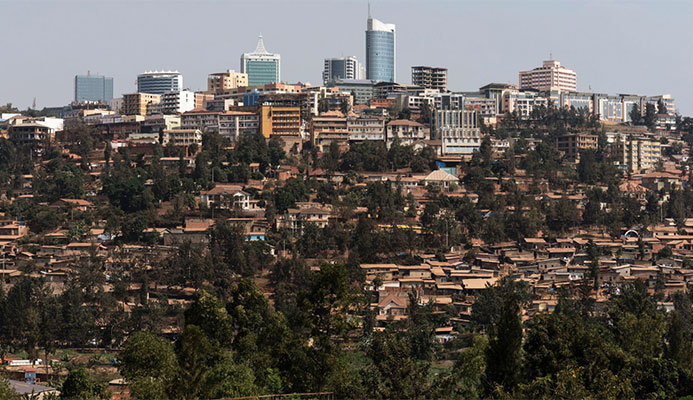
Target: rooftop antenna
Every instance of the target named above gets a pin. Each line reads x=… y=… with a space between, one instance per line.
x=369 y=10
x=550 y=55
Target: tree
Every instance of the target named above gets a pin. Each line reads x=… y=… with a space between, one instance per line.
x=661 y=107
x=635 y=114
x=650 y=115
x=80 y=384
x=209 y=314
x=276 y=151
x=394 y=374
x=7 y=392
x=149 y=363
x=503 y=356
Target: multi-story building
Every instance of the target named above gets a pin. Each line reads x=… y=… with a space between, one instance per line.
x=448 y=101
x=361 y=89
x=182 y=138
x=550 y=76
x=177 y=102
x=280 y=120
x=220 y=81
x=327 y=128
x=458 y=131
x=261 y=66
x=484 y=106
x=406 y=131
x=381 y=51
x=384 y=90
x=159 y=82
x=634 y=153
x=342 y=68
x=35 y=133
x=93 y=88
x=137 y=103
x=571 y=144
x=366 y=128
x=229 y=124
x=522 y=103
x=430 y=77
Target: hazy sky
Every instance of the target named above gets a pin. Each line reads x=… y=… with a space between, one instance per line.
x=615 y=46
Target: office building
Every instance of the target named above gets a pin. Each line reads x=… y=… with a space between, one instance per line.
x=430 y=77
x=381 y=51
x=261 y=66
x=342 y=68
x=93 y=88
x=159 y=82
x=139 y=103
x=362 y=89
x=230 y=79
x=458 y=131
x=550 y=76
x=280 y=120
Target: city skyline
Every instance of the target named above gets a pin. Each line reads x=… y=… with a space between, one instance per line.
x=645 y=66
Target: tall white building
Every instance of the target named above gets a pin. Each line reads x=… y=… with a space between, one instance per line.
x=343 y=68
x=458 y=131
x=177 y=102
x=550 y=76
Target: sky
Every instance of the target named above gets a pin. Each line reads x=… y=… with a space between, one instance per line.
x=615 y=46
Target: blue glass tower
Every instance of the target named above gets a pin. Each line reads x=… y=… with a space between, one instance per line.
x=93 y=88
x=380 y=51
x=261 y=66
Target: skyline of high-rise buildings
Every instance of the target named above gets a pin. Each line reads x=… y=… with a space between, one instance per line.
x=261 y=66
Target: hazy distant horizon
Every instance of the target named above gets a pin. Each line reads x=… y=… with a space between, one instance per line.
x=614 y=46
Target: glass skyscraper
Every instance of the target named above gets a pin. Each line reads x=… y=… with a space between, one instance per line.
x=261 y=66
x=159 y=82
x=380 y=51
x=93 y=88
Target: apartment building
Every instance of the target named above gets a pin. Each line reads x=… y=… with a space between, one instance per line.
x=634 y=153
x=430 y=77
x=572 y=144
x=550 y=76
x=406 y=131
x=220 y=81
x=182 y=138
x=137 y=103
x=176 y=102
x=366 y=128
x=458 y=131
x=229 y=124
x=327 y=128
